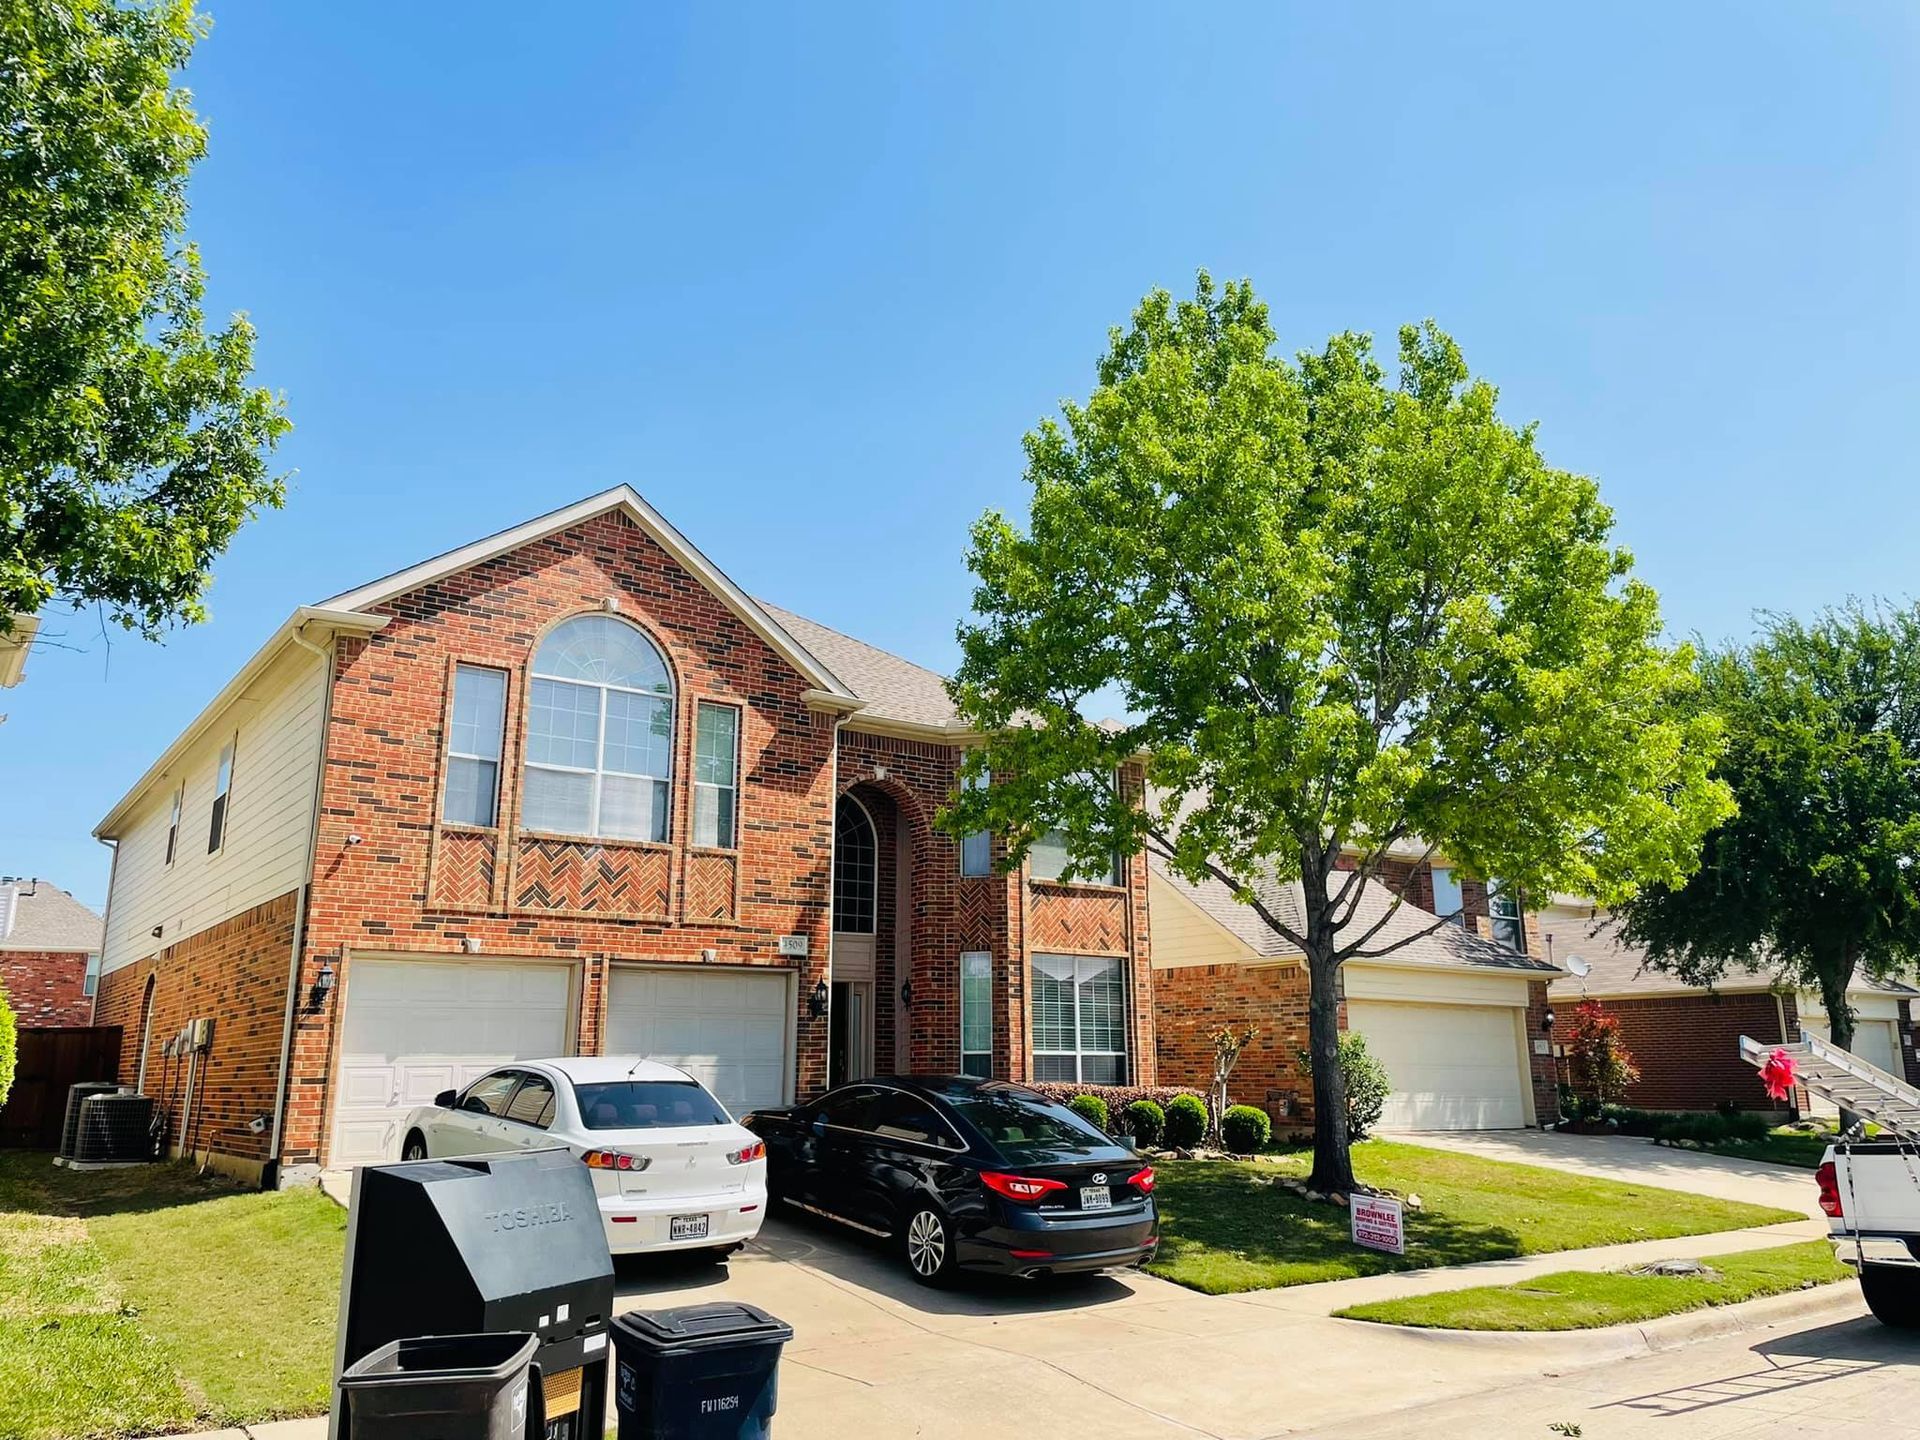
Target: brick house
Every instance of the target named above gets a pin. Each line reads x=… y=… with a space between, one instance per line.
x=1458 y=1017
x=1684 y=1038
x=49 y=954
x=568 y=789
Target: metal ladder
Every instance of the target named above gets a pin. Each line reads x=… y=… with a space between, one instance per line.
x=1846 y=1080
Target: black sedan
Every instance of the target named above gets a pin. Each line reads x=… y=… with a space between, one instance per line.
x=963 y=1173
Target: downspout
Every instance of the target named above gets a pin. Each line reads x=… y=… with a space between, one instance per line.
x=300 y=905
x=106 y=920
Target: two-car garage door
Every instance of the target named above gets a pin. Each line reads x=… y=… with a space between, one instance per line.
x=1450 y=1067
x=413 y=1028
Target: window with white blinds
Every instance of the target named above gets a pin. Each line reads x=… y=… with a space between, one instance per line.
x=1079 y=1019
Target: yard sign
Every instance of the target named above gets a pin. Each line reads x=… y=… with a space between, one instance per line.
x=1378 y=1223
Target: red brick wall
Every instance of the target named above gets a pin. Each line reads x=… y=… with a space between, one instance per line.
x=1195 y=1000
x=383 y=773
x=1544 y=1069
x=46 y=988
x=1687 y=1050
x=236 y=973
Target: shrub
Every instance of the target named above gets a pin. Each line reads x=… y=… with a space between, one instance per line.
x=1090 y=1108
x=1709 y=1128
x=1597 y=1062
x=6 y=1046
x=1367 y=1083
x=1118 y=1097
x=1147 y=1121
x=1245 y=1129
x=1186 y=1121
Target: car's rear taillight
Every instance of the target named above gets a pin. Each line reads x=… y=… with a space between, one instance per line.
x=755 y=1151
x=1828 y=1179
x=1024 y=1188
x=1142 y=1180
x=615 y=1160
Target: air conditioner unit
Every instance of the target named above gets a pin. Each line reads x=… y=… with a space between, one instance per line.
x=70 y=1124
x=114 y=1130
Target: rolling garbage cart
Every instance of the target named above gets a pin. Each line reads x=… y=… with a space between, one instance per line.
x=483 y=1244
x=699 y=1372
x=448 y=1387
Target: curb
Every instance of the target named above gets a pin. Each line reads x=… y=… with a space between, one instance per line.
x=1671 y=1332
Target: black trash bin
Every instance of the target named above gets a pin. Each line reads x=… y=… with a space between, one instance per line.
x=710 y=1371
x=448 y=1387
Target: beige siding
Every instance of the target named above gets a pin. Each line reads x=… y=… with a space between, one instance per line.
x=277 y=726
x=1423 y=986
x=1183 y=934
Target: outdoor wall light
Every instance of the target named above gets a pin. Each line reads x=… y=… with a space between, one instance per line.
x=321 y=989
x=906 y=994
x=817 y=1001
x=1546 y=1021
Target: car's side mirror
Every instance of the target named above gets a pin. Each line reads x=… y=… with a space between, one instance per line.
x=444 y=1100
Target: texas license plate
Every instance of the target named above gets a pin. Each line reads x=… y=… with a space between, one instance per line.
x=687 y=1227
x=1095 y=1197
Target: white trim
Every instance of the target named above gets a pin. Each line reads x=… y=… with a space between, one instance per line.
x=318 y=616
x=625 y=499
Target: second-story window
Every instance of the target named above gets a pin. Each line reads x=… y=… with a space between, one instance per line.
x=976 y=849
x=173 y=822
x=222 y=793
x=473 y=746
x=1508 y=922
x=1446 y=893
x=716 y=770
x=599 y=733
x=855 y=868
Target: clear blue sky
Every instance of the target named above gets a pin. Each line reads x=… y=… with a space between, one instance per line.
x=804 y=275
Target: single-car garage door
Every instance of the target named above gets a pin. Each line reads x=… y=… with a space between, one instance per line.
x=1451 y=1067
x=415 y=1027
x=1874 y=1041
x=729 y=1029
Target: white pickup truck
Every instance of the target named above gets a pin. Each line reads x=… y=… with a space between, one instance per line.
x=1870 y=1191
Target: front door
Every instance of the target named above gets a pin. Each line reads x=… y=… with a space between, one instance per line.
x=850 y=1032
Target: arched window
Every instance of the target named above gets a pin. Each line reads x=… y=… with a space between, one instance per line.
x=854 y=868
x=599 y=733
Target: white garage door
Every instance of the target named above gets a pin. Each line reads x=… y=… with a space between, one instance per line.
x=1874 y=1041
x=414 y=1028
x=729 y=1029
x=1452 y=1067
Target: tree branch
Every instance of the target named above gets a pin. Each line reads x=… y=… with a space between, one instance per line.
x=1273 y=922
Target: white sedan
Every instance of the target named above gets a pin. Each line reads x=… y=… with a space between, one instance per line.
x=671 y=1168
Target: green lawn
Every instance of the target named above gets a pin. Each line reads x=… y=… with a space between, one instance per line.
x=137 y=1301
x=1582 y=1300
x=1225 y=1227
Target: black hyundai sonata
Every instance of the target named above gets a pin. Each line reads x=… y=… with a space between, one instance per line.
x=963 y=1173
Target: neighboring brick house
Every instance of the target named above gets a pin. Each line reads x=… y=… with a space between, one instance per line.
x=569 y=789
x=1684 y=1038
x=49 y=954
x=1458 y=1019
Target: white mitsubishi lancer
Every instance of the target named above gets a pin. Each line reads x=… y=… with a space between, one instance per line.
x=671 y=1168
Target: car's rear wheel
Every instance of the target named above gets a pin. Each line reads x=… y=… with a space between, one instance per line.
x=1893 y=1294
x=415 y=1148
x=926 y=1240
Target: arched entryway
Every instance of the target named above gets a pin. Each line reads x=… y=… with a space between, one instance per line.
x=858 y=900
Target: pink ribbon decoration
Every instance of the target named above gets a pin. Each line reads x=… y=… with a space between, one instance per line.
x=1777 y=1074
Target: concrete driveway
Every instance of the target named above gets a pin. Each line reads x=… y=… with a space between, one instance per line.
x=1635 y=1161
x=875 y=1354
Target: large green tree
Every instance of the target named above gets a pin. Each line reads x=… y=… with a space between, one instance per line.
x=1815 y=877
x=1341 y=615
x=132 y=446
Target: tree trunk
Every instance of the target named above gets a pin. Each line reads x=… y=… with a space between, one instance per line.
x=1332 y=1164
x=1835 y=976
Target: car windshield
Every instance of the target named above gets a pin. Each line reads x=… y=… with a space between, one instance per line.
x=1013 y=1122
x=647 y=1105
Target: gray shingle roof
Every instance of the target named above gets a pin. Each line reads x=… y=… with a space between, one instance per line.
x=894 y=689
x=45 y=917
x=1449 y=945
x=1620 y=969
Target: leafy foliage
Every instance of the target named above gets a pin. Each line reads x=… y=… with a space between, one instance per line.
x=131 y=446
x=1090 y=1108
x=9 y=1042
x=1186 y=1122
x=1147 y=1121
x=1814 y=878
x=1339 y=614
x=1245 y=1129
x=1363 y=1081
x=1598 y=1061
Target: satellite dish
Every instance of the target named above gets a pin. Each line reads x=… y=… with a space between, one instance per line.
x=1579 y=967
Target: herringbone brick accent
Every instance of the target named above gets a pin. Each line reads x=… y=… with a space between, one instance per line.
x=710 y=887
x=589 y=878
x=1078 y=922
x=463 y=867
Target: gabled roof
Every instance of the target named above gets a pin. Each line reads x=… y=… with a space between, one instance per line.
x=626 y=500
x=36 y=915
x=1449 y=947
x=893 y=689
